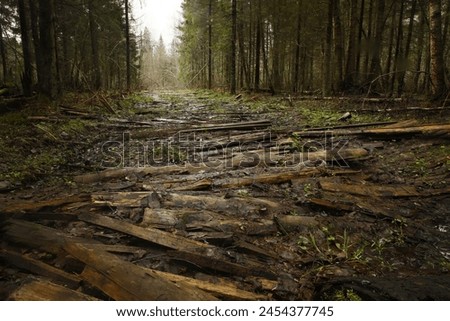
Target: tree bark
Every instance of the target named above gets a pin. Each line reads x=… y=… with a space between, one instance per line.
x=48 y=80
x=128 y=43
x=350 y=69
x=27 y=77
x=339 y=50
x=327 y=81
x=375 y=64
x=210 y=62
x=438 y=85
x=233 y=46
x=3 y=56
x=97 y=80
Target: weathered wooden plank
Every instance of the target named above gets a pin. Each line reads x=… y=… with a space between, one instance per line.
x=28 y=206
x=370 y=190
x=40 y=268
x=193 y=251
x=46 y=291
x=38 y=236
x=221 y=289
x=136 y=282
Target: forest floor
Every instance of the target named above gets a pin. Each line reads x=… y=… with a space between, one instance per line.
x=238 y=198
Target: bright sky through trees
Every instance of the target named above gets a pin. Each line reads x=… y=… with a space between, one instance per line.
x=159 y=16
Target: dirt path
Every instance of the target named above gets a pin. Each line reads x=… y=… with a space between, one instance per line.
x=234 y=199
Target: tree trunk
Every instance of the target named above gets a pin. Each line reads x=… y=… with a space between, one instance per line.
x=97 y=80
x=48 y=81
x=258 y=48
x=233 y=46
x=350 y=69
x=438 y=85
x=27 y=77
x=296 y=71
x=404 y=62
x=210 y=66
x=420 y=45
x=3 y=56
x=398 y=49
x=128 y=44
x=327 y=81
x=375 y=64
x=339 y=49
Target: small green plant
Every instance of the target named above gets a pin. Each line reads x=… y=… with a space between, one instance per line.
x=345 y=295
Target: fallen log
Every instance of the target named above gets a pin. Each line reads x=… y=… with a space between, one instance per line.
x=35 y=206
x=432 y=130
x=40 y=268
x=199 y=253
x=193 y=220
x=124 y=281
x=370 y=190
x=220 y=288
x=46 y=291
x=251 y=125
x=235 y=205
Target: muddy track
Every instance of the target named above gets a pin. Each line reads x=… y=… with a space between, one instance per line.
x=229 y=201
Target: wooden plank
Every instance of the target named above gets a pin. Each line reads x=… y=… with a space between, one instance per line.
x=35 y=206
x=40 y=268
x=38 y=236
x=370 y=190
x=197 y=252
x=129 y=281
x=232 y=126
x=221 y=289
x=45 y=291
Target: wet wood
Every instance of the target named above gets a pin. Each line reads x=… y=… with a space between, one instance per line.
x=370 y=190
x=251 y=125
x=291 y=223
x=193 y=220
x=220 y=288
x=46 y=291
x=39 y=268
x=27 y=206
x=125 y=281
x=37 y=236
x=432 y=130
x=236 y=205
x=196 y=252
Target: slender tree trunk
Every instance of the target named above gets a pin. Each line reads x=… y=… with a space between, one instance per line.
x=368 y=45
x=296 y=71
x=128 y=43
x=375 y=63
x=438 y=85
x=258 y=48
x=398 y=49
x=27 y=77
x=360 y=34
x=210 y=64
x=327 y=81
x=48 y=86
x=3 y=56
x=233 y=46
x=339 y=48
x=404 y=62
x=420 y=45
x=350 y=69
x=97 y=80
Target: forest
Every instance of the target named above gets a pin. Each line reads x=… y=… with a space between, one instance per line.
x=281 y=150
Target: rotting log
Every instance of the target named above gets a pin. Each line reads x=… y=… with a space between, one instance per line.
x=35 y=206
x=38 y=236
x=45 y=291
x=370 y=190
x=199 y=253
x=194 y=220
x=432 y=130
x=40 y=268
x=235 y=205
x=221 y=288
x=130 y=282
